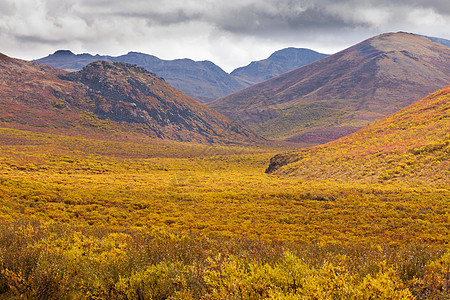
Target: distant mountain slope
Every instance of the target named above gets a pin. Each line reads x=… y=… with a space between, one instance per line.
x=278 y=63
x=107 y=96
x=67 y=60
x=202 y=80
x=413 y=144
x=343 y=92
x=439 y=40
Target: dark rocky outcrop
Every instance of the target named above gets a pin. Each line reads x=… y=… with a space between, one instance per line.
x=281 y=160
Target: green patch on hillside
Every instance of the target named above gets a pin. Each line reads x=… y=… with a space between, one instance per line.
x=300 y=118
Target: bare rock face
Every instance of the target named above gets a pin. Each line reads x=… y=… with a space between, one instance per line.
x=281 y=160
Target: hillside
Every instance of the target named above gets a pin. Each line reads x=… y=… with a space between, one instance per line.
x=343 y=92
x=410 y=145
x=279 y=62
x=202 y=80
x=33 y=94
x=107 y=97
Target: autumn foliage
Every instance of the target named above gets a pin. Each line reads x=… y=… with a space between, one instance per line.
x=91 y=210
x=133 y=218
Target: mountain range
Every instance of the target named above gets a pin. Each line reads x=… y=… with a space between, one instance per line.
x=278 y=63
x=341 y=93
x=322 y=101
x=410 y=145
x=202 y=80
x=107 y=97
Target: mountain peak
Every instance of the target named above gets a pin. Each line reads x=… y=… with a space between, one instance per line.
x=341 y=93
x=63 y=53
x=397 y=40
x=277 y=63
x=106 y=65
x=122 y=95
x=291 y=51
x=203 y=81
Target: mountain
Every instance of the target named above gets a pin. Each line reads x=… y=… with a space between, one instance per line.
x=202 y=80
x=439 y=40
x=33 y=94
x=341 y=93
x=410 y=145
x=278 y=63
x=67 y=60
x=106 y=96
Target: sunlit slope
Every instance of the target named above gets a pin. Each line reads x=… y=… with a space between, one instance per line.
x=413 y=144
x=341 y=93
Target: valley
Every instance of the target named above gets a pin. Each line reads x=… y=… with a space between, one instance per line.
x=160 y=210
x=116 y=185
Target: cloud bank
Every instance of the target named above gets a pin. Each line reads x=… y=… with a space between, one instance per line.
x=230 y=33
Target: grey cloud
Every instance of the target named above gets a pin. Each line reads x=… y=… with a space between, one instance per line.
x=243 y=16
x=440 y=6
x=320 y=14
x=119 y=26
x=6 y=8
x=164 y=19
x=34 y=39
x=311 y=18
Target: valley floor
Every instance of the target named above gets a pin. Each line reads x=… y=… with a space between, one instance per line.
x=116 y=218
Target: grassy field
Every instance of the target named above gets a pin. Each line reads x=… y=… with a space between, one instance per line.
x=133 y=218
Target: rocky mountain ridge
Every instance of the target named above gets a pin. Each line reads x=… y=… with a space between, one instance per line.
x=119 y=94
x=202 y=80
x=279 y=62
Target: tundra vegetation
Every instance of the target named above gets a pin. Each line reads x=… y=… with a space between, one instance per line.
x=116 y=217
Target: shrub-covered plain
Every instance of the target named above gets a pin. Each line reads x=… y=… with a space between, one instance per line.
x=117 y=218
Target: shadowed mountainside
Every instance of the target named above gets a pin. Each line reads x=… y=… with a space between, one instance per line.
x=441 y=41
x=107 y=96
x=341 y=93
x=202 y=80
x=279 y=62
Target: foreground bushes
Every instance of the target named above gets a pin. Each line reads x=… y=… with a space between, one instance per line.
x=49 y=261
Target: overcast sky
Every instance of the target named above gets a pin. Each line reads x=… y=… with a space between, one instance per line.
x=231 y=33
